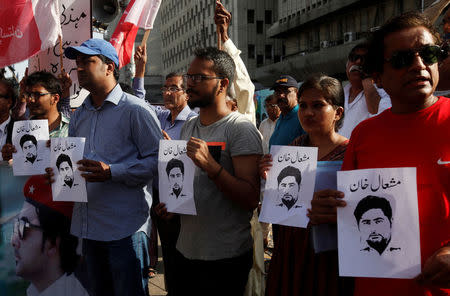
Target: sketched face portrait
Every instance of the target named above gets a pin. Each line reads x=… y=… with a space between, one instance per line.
x=374 y=217
x=175 y=174
x=28 y=143
x=289 y=181
x=64 y=165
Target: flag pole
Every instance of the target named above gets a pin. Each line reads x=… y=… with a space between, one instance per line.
x=219 y=35
x=145 y=37
x=61 y=54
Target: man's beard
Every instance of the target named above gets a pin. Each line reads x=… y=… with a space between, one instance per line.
x=31 y=158
x=204 y=101
x=69 y=182
x=379 y=246
x=289 y=203
x=177 y=191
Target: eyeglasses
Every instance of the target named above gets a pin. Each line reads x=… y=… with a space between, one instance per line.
x=429 y=54
x=36 y=95
x=353 y=57
x=199 y=77
x=21 y=224
x=171 y=89
x=5 y=96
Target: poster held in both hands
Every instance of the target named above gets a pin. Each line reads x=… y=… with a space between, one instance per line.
x=176 y=177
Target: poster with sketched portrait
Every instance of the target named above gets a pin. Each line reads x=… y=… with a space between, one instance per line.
x=68 y=185
x=176 y=177
x=289 y=186
x=378 y=230
x=30 y=138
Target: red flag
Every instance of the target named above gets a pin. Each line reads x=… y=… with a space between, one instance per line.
x=27 y=27
x=139 y=14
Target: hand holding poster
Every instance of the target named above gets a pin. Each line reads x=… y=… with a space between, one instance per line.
x=378 y=230
x=68 y=185
x=290 y=186
x=30 y=140
x=176 y=177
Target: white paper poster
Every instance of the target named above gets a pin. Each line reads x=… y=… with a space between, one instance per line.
x=75 y=18
x=290 y=186
x=378 y=230
x=176 y=177
x=68 y=185
x=30 y=138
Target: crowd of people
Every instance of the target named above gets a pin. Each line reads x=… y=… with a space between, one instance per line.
x=386 y=116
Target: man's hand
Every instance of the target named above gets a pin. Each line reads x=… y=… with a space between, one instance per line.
x=436 y=271
x=140 y=59
x=371 y=94
x=161 y=211
x=66 y=83
x=222 y=18
x=7 y=151
x=165 y=135
x=198 y=151
x=96 y=171
x=265 y=163
x=324 y=205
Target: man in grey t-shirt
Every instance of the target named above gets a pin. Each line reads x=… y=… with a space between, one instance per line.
x=215 y=246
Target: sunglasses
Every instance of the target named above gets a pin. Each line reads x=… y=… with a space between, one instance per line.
x=429 y=54
x=353 y=57
x=21 y=224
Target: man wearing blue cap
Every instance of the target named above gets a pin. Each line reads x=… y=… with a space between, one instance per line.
x=120 y=159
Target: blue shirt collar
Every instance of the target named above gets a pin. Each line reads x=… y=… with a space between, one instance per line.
x=291 y=113
x=184 y=114
x=113 y=97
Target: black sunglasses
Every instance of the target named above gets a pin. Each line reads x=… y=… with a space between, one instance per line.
x=21 y=224
x=429 y=54
x=353 y=57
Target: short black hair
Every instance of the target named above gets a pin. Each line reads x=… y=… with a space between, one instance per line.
x=330 y=88
x=174 y=163
x=375 y=55
x=11 y=90
x=177 y=74
x=63 y=158
x=359 y=46
x=106 y=60
x=45 y=79
x=28 y=137
x=290 y=171
x=223 y=64
x=56 y=225
x=373 y=202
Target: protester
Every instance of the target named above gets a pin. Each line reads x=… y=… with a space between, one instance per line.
x=44 y=249
x=294 y=268
x=444 y=67
x=8 y=99
x=42 y=92
x=215 y=246
x=120 y=159
x=267 y=126
x=403 y=58
x=363 y=98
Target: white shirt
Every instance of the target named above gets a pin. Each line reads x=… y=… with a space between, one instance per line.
x=66 y=285
x=357 y=111
x=4 y=134
x=266 y=128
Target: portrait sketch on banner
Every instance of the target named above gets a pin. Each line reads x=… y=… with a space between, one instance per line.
x=30 y=139
x=378 y=230
x=289 y=186
x=68 y=185
x=176 y=177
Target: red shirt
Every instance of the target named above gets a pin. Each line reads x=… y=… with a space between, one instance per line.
x=422 y=140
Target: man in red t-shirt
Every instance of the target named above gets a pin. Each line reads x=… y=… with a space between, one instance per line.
x=403 y=58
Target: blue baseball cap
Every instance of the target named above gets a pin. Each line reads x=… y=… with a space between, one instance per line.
x=93 y=46
x=286 y=81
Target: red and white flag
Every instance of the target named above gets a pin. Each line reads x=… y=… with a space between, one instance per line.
x=26 y=28
x=139 y=14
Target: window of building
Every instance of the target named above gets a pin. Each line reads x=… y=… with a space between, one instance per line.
x=268 y=51
x=259 y=27
x=251 y=51
x=250 y=16
x=268 y=17
x=259 y=60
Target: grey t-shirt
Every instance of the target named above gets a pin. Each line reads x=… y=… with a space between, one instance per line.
x=221 y=228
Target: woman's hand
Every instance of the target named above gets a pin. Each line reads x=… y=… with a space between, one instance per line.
x=324 y=205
